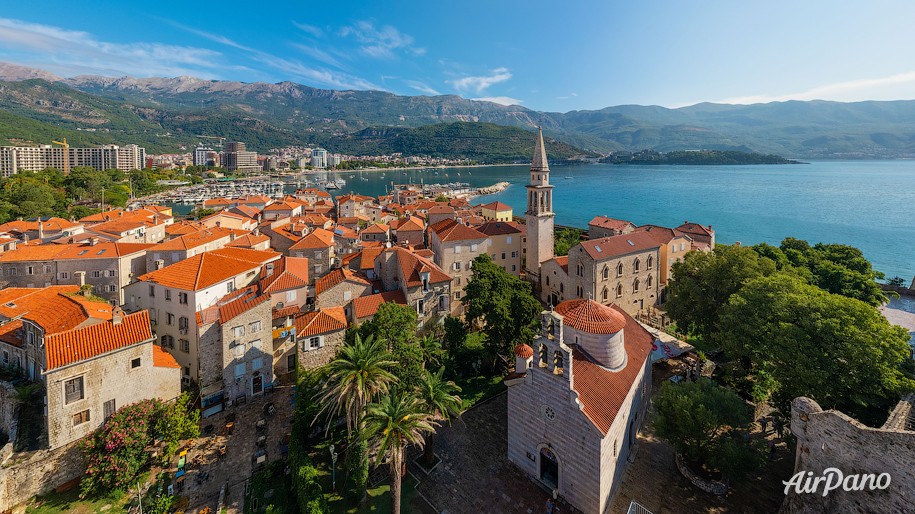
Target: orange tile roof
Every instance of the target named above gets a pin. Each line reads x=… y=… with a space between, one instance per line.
x=354 y=198
x=412 y=265
x=163 y=359
x=365 y=306
x=318 y=238
x=497 y=206
x=331 y=319
x=441 y=209
x=524 y=351
x=619 y=245
x=367 y=257
x=81 y=343
x=245 y=210
x=603 y=392
x=284 y=312
x=193 y=240
x=55 y=308
x=240 y=305
x=338 y=276
x=208 y=268
x=51 y=224
x=610 y=223
x=499 y=228
x=590 y=316
x=563 y=262
x=248 y=241
x=345 y=232
x=410 y=225
x=282 y=206
x=451 y=230
x=376 y=228
x=184 y=227
x=662 y=235
x=288 y=273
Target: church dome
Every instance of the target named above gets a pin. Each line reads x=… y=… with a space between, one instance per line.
x=590 y=316
x=524 y=351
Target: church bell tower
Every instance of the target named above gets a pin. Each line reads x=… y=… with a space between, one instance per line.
x=539 y=215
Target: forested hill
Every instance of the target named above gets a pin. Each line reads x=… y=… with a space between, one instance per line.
x=166 y=113
x=697 y=158
x=477 y=141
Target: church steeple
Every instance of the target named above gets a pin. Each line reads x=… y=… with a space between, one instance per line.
x=539 y=163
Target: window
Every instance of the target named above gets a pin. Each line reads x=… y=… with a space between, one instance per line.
x=290 y=362
x=63 y=275
x=238 y=331
x=347 y=296
x=111 y=273
x=457 y=249
x=96 y=274
x=420 y=307
x=73 y=390
x=257 y=363
x=169 y=318
x=604 y=295
x=579 y=292
x=650 y=262
x=314 y=343
x=635 y=286
x=619 y=269
x=185 y=345
x=112 y=288
x=318 y=270
x=182 y=298
x=30 y=270
x=513 y=267
x=187 y=371
x=619 y=290
x=514 y=254
x=682 y=246
x=457 y=266
x=168 y=295
x=606 y=272
x=509 y=241
x=317 y=255
x=152 y=290
x=636 y=265
x=108 y=408
x=168 y=341
x=290 y=296
x=182 y=323
x=239 y=351
x=458 y=281
x=230 y=287
x=135 y=363
x=240 y=370
x=81 y=417
x=473 y=248
x=503 y=256
x=457 y=295
x=648 y=281
x=47 y=268
x=254 y=327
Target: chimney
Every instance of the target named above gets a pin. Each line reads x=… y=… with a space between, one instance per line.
x=93 y=241
x=81 y=275
x=218 y=224
x=117 y=316
x=40 y=229
x=120 y=213
x=160 y=263
x=231 y=235
x=155 y=219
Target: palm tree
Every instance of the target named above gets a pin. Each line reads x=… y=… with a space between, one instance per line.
x=397 y=420
x=358 y=374
x=432 y=350
x=438 y=398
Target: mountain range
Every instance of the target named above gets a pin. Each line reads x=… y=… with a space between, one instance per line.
x=166 y=113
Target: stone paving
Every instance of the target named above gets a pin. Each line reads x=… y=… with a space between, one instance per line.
x=474 y=475
x=208 y=473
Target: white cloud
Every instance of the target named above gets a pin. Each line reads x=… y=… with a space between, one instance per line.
x=67 y=50
x=478 y=84
x=311 y=29
x=318 y=54
x=501 y=100
x=421 y=87
x=894 y=87
x=380 y=42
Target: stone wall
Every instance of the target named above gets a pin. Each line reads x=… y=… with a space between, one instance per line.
x=39 y=473
x=831 y=439
x=311 y=359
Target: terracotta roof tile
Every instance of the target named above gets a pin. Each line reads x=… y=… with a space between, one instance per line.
x=82 y=343
x=451 y=230
x=196 y=239
x=288 y=273
x=590 y=316
x=367 y=257
x=615 y=246
x=524 y=351
x=499 y=228
x=412 y=265
x=316 y=239
x=376 y=228
x=365 y=306
x=497 y=206
x=163 y=359
x=409 y=225
x=248 y=241
x=309 y=324
x=284 y=312
x=610 y=223
x=208 y=268
x=239 y=306
x=603 y=392
x=338 y=276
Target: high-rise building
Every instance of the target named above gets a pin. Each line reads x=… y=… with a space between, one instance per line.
x=202 y=156
x=319 y=158
x=539 y=215
x=14 y=159
x=235 y=158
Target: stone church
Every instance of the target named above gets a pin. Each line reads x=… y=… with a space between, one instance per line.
x=577 y=399
x=579 y=393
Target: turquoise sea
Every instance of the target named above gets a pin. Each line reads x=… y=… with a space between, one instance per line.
x=868 y=204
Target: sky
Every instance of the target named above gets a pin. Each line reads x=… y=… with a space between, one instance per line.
x=544 y=55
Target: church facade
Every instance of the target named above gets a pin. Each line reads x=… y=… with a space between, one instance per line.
x=577 y=399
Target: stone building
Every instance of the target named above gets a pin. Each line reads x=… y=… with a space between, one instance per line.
x=230 y=219
x=365 y=307
x=90 y=356
x=353 y=205
x=619 y=269
x=175 y=294
x=831 y=439
x=376 y=232
x=425 y=286
x=188 y=245
x=339 y=288
x=42 y=229
x=439 y=212
x=107 y=267
x=505 y=244
x=286 y=281
x=318 y=335
x=320 y=249
x=674 y=245
x=236 y=349
x=602 y=226
x=576 y=401
x=409 y=231
x=539 y=214
x=702 y=235
x=455 y=246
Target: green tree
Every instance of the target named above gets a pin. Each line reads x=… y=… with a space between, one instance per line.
x=177 y=421
x=837 y=350
x=395 y=325
x=564 y=238
x=702 y=282
x=439 y=398
x=396 y=421
x=703 y=422
x=896 y=281
x=503 y=305
x=360 y=372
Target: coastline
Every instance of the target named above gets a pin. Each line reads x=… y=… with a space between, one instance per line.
x=399 y=168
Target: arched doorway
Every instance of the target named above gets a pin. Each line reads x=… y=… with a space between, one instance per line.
x=549 y=468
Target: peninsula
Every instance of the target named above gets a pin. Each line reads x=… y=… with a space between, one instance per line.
x=696 y=158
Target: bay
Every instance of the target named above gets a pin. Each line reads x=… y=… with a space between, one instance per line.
x=867 y=204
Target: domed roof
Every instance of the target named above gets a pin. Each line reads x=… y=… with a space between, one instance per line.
x=591 y=317
x=524 y=351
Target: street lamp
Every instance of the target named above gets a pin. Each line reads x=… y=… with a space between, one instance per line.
x=333 y=473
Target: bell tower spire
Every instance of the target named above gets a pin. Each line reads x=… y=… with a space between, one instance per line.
x=539 y=214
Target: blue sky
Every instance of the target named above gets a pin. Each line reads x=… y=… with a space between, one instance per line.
x=545 y=55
